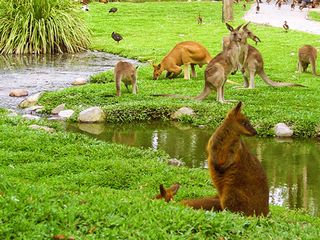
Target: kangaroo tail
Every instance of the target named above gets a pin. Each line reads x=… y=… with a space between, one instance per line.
x=207 y=203
x=268 y=81
x=205 y=93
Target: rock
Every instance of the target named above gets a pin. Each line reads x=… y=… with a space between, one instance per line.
x=30 y=101
x=182 y=111
x=58 y=109
x=33 y=108
x=45 y=128
x=31 y=117
x=66 y=113
x=18 y=93
x=282 y=130
x=175 y=162
x=79 y=81
x=91 y=115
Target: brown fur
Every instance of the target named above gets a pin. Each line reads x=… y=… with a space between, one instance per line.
x=127 y=73
x=221 y=66
x=184 y=53
x=168 y=194
x=237 y=174
x=252 y=63
x=307 y=55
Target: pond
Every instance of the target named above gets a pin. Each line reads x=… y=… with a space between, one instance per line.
x=37 y=73
x=292 y=166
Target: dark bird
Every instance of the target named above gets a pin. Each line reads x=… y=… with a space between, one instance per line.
x=244 y=6
x=199 y=19
x=116 y=36
x=113 y=10
x=285 y=26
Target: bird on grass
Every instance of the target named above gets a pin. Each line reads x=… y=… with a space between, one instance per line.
x=199 y=19
x=116 y=36
x=285 y=26
x=113 y=10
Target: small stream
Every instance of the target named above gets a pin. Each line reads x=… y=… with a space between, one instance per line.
x=292 y=166
x=49 y=72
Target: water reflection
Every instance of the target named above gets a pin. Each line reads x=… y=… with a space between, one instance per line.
x=292 y=166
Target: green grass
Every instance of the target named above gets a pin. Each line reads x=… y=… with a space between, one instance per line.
x=69 y=184
x=150 y=30
x=314 y=15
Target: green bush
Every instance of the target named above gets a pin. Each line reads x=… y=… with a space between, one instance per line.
x=41 y=26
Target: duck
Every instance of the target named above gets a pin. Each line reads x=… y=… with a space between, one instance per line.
x=113 y=10
x=285 y=26
x=116 y=36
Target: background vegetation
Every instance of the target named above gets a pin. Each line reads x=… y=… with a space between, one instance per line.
x=71 y=185
x=151 y=30
x=41 y=26
x=314 y=15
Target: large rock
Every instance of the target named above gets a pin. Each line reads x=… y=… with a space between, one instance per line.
x=282 y=130
x=79 y=81
x=91 y=115
x=182 y=111
x=58 y=109
x=18 y=93
x=30 y=101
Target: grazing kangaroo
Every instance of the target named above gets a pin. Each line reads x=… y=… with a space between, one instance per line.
x=252 y=62
x=126 y=73
x=167 y=194
x=221 y=66
x=184 y=53
x=307 y=55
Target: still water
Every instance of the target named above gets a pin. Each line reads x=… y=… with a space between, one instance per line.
x=292 y=166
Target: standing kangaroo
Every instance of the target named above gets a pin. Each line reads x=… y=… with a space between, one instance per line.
x=127 y=73
x=221 y=66
x=252 y=62
x=184 y=53
x=307 y=55
x=237 y=174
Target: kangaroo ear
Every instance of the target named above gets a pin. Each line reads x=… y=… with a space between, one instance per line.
x=245 y=26
x=163 y=191
x=229 y=27
x=238 y=28
x=174 y=188
x=237 y=109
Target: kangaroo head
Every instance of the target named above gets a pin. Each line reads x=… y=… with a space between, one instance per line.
x=235 y=34
x=239 y=122
x=167 y=194
x=246 y=33
x=157 y=70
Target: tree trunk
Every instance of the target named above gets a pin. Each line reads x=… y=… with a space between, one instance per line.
x=227 y=8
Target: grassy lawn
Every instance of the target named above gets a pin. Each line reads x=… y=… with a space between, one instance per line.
x=71 y=185
x=314 y=15
x=150 y=30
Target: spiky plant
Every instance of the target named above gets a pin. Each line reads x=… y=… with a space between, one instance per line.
x=41 y=26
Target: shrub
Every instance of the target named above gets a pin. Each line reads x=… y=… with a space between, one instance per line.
x=41 y=26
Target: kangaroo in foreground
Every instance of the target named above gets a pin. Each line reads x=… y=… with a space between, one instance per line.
x=252 y=62
x=221 y=66
x=236 y=173
x=307 y=55
x=127 y=73
x=184 y=53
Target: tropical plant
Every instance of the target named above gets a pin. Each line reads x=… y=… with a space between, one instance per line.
x=41 y=26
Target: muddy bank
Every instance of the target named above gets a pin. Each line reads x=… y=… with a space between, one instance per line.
x=47 y=73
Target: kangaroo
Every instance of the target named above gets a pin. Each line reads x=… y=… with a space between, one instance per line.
x=184 y=53
x=252 y=62
x=221 y=65
x=307 y=55
x=167 y=194
x=236 y=173
x=127 y=73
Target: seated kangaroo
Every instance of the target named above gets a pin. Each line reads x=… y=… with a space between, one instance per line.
x=307 y=55
x=236 y=173
x=127 y=73
x=184 y=53
x=221 y=66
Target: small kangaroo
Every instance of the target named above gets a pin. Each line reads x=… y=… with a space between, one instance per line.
x=221 y=66
x=252 y=62
x=236 y=173
x=307 y=55
x=184 y=53
x=127 y=73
